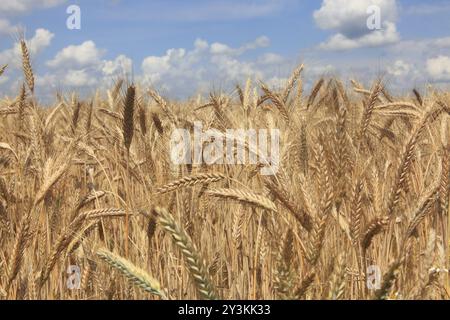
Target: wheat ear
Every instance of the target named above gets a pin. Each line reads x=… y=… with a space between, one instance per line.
x=2 y=69
x=67 y=236
x=278 y=102
x=190 y=181
x=422 y=209
x=128 y=116
x=23 y=238
x=195 y=264
x=244 y=196
x=164 y=106
x=370 y=105
x=375 y=227
x=136 y=275
x=283 y=196
x=407 y=155
x=26 y=65
x=291 y=82
x=356 y=214
x=315 y=92
x=21 y=106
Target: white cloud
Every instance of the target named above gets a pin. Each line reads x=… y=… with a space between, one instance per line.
x=376 y=38
x=260 y=42
x=121 y=65
x=399 y=68
x=321 y=69
x=77 y=66
x=182 y=72
x=348 y=18
x=154 y=67
x=79 y=78
x=439 y=68
x=100 y=75
x=179 y=72
x=422 y=46
x=218 y=48
x=270 y=58
x=276 y=82
x=85 y=54
x=81 y=66
x=46 y=81
x=201 y=44
x=421 y=56
x=232 y=69
x=41 y=39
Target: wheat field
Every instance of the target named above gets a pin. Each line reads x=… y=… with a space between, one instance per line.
x=362 y=187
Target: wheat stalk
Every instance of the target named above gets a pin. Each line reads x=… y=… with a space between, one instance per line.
x=23 y=238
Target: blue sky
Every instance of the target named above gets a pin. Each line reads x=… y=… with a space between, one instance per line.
x=185 y=47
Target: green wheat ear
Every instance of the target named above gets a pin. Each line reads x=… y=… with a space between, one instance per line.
x=195 y=264
x=137 y=276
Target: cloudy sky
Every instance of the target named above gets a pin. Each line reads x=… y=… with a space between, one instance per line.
x=185 y=47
